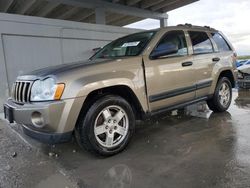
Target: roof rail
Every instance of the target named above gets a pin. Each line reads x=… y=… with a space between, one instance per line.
x=186 y=24
x=190 y=25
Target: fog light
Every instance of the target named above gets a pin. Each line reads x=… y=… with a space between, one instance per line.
x=37 y=119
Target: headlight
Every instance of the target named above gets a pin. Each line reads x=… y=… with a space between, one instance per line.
x=240 y=75
x=45 y=90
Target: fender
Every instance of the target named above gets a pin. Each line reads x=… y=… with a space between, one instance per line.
x=216 y=74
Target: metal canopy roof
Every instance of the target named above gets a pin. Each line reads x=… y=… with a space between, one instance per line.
x=110 y=12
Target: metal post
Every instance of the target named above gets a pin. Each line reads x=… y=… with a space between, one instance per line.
x=100 y=17
x=164 y=21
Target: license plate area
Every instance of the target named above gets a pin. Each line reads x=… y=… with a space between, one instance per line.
x=8 y=113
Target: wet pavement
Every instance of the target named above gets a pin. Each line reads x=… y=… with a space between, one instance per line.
x=201 y=149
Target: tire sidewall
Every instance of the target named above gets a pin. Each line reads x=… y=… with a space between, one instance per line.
x=217 y=100
x=89 y=122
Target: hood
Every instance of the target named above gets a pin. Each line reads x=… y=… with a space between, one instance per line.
x=58 y=69
x=244 y=69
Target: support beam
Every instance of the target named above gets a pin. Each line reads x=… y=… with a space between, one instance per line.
x=163 y=22
x=163 y=4
x=66 y=15
x=149 y=3
x=5 y=5
x=25 y=6
x=108 y=6
x=132 y=2
x=43 y=12
x=125 y=21
x=100 y=17
x=85 y=13
x=177 y=5
x=90 y=19
x=114 y=17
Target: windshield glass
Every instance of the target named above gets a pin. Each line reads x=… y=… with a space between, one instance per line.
x=131 y=45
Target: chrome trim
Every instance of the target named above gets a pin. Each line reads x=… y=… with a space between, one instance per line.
x=16 y=90
x=21 y=91
x=29 y=91
x=24 y=90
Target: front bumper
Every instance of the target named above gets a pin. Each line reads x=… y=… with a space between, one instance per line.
x=244 y=83
x=42 y=121
x=50 y=138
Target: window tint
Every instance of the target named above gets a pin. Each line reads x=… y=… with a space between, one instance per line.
x=220 y=42
x=201 y=42
x=171 y=40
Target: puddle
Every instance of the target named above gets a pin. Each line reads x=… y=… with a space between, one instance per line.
x=55 y=181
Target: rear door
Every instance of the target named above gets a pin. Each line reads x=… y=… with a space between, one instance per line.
x=203 y=60
x=223 y=50
x=170 y=78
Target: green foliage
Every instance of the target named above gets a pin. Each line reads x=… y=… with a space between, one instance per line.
x=243 y=57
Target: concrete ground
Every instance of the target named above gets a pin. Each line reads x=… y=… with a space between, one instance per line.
x=201 y=149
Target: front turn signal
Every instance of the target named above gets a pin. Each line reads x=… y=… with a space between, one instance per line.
x=59 y=91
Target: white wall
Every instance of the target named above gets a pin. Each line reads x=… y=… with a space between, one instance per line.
x=29 y=43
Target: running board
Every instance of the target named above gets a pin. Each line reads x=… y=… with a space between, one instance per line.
x=178 y=106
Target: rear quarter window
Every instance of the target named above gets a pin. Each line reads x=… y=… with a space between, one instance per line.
x=220 y=42
x=201 y=42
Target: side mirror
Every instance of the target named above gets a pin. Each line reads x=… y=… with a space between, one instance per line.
x=163 y=50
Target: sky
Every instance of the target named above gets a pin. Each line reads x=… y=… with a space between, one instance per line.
x=229 y=16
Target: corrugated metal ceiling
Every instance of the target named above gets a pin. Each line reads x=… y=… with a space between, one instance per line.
x=65 y=11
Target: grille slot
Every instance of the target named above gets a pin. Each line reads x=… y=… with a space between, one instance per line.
x=21 y=91
x=247 y=77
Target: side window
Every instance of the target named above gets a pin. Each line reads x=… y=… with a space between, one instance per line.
x=220 y=42
x=173 y=44
x=201 y=42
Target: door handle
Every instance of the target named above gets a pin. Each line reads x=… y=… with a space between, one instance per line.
x=188 y=63
x=216 y=59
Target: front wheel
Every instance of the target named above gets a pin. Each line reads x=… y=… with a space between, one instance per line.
x=107 y=126
x=222 y=96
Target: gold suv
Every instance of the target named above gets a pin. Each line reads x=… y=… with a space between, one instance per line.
x=133 y=77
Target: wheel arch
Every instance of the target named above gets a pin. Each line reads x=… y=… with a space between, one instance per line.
x=228 y=74
x=219 y=74
x=120 y=90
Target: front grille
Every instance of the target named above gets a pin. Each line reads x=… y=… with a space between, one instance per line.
x=21 y=91
x=245 y=85
x=247 y=77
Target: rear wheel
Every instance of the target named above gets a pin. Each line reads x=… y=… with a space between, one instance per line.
x=222 y=97
x=107 y=126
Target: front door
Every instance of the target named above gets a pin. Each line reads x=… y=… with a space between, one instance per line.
x=169 y=72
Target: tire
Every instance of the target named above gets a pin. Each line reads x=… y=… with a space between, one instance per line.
x=222 y=98
x=104 y=131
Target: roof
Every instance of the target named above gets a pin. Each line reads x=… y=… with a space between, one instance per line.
x=117 y=12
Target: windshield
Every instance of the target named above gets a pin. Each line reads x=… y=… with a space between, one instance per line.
x=131 y=45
